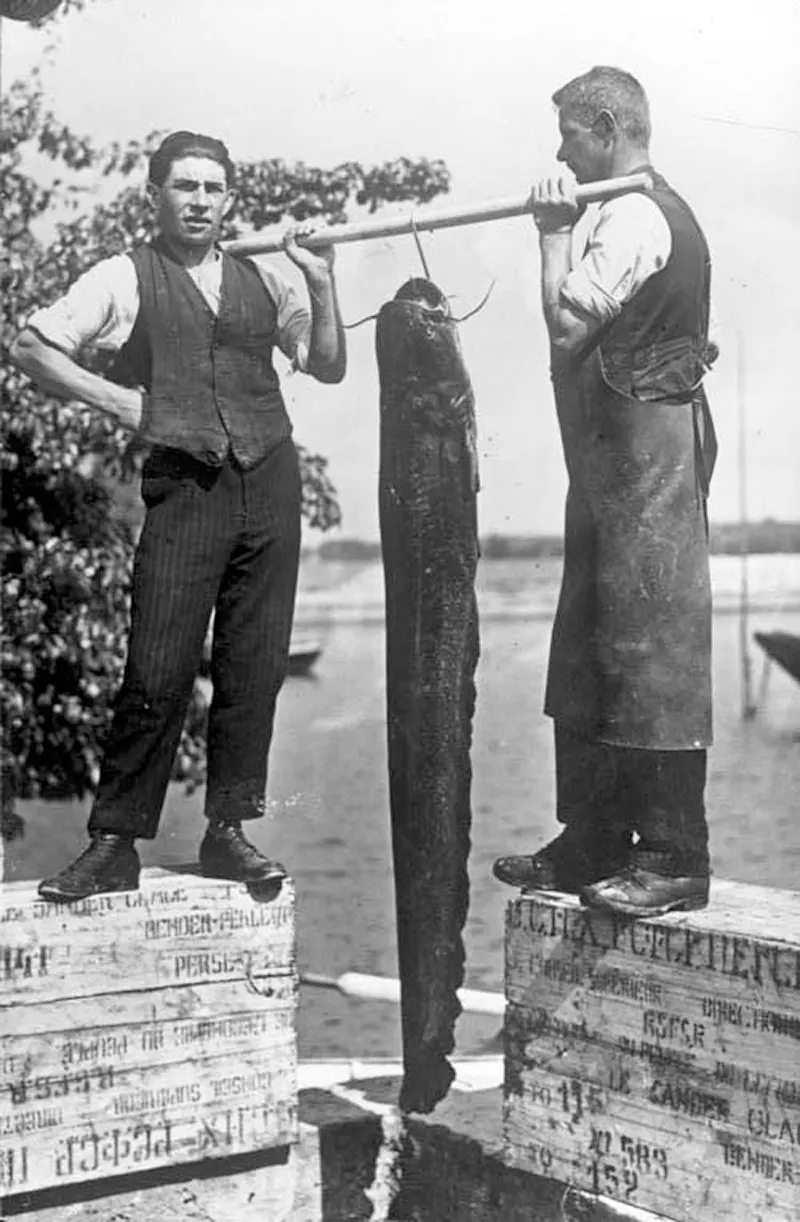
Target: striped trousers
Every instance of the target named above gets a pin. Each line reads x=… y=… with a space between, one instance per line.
x=225 y=539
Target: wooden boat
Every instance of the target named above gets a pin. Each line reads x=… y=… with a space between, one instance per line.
x=783 y=648
x=302 y=656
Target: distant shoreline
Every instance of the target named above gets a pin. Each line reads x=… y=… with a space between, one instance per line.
x=727 y=538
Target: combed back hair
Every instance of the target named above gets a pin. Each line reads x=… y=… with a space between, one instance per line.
x=188 y=144
x=611 y=89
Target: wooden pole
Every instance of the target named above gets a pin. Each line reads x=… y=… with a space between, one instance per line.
x=493 y=210
x=748 y=707
x=386 y=988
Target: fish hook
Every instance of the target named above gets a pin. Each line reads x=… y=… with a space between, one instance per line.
x=420 y=251
x=349 y=326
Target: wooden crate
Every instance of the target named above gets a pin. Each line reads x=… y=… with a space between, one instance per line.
x=658 y=1062
x=144 y=1029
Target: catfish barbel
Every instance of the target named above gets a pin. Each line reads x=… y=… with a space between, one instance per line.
x=429 y=538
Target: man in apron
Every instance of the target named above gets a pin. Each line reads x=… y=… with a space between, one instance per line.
x=629 y=682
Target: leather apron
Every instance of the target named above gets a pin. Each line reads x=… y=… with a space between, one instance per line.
x=630 y=661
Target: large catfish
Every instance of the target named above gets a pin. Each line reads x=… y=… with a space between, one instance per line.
x=428 y=486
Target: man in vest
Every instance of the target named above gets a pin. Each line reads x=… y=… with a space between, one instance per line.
x=626 y=304
x=194 y=329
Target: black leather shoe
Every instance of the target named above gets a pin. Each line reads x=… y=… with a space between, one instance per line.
x=110 y=863
x=638 y=892
x=562 y=865
x=226 y=853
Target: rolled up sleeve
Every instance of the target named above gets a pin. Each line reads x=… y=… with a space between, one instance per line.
x=293 y=319
x=98 y=310
x=629 y=242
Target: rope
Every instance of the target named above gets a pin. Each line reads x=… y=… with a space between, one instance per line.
x=421 y=252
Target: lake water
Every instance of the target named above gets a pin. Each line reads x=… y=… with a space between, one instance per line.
x=328 y=784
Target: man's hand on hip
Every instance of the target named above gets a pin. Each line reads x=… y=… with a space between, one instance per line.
x=57 y=373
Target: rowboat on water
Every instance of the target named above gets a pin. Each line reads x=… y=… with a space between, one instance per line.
x=783 y=648
x=303 y=656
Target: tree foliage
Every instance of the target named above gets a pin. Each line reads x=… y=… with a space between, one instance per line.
x=65 y=548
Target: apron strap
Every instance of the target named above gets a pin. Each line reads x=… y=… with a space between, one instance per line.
x=705 y=448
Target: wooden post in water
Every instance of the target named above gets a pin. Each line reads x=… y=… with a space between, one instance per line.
x=143 y=1029
x=654 y=1063
x=748 y=707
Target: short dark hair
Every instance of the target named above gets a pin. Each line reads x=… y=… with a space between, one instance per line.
x=612 y=89
x=188 y=144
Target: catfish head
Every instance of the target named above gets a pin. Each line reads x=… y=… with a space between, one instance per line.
x=416 y=337
x=425 y=387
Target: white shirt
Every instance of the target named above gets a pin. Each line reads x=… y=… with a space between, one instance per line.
x=616 y=249
x=100 y=308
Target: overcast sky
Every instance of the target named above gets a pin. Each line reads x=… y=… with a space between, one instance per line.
x=471 y=83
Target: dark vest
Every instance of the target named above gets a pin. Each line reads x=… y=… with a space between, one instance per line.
x=211 y=385
x=656 y=348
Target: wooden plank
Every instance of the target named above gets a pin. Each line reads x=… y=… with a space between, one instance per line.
x=658 y=1062
x=116 y=1087
x=144 y=1029
x=73 y=1037
x=491 y=210
x=166 y=1137
x=136 y=1007
x=176 y=929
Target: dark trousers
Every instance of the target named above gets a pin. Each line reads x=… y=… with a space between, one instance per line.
x=213 y=538
x=604 y=792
